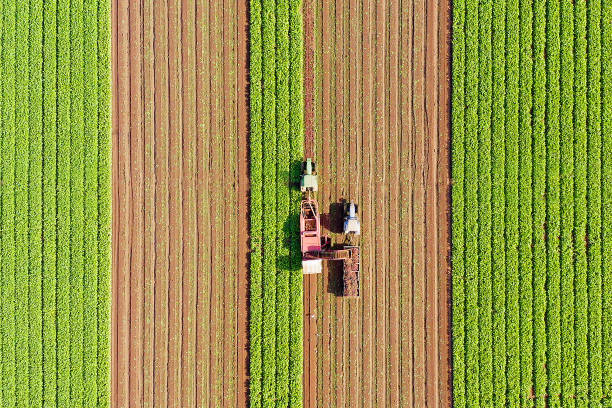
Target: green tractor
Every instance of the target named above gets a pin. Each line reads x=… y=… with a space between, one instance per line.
x=309 y=180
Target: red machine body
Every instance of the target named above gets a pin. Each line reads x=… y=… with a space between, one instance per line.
x=310 y=227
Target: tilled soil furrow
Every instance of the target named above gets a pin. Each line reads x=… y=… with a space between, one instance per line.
x=189 y=203
x=419 y=210
x=354 y=191
x=368 y=365
x=161 y=205
x=217 y=232
x=380 y=202
x=149 y=202
x=406 y=187
x=394 y=200
x=203 y=207
x=175 y=299
x=324 y=168
x=137 y=227
x=228 y=197
x=443 y=186
x=242 y=181
x=122 y=284
x=431 y=201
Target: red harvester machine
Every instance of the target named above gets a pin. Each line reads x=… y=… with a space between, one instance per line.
x=317 y=247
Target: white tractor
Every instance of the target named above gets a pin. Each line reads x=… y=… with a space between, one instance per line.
x=351 y=222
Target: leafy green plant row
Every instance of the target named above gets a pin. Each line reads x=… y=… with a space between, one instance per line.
x=562 y=383
x=276 y=144
x=531 y=200
x=606 y=165
x=55 y=203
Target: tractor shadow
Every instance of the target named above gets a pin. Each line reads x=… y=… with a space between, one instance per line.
x=334 y=220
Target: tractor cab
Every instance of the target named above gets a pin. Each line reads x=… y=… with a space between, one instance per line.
x=309 y=180
x=351 y=222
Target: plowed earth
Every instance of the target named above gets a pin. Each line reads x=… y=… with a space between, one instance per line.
x=180 y=185
x=378 y=76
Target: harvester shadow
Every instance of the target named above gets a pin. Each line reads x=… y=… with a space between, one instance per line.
x=291 y=227
x=291 y=244
x=333 y=221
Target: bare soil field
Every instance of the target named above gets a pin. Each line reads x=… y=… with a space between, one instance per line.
x=378 y=75
x=180 y=186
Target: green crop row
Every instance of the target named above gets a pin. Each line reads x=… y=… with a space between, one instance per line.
x=276 y=143
x=531 y=153
x=606 y=166
x=564 y=381
x=55 y=203
x=296 y=145
x=540 y=29
x=550 y=199
x=497 y=203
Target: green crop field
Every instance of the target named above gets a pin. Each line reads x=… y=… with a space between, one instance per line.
x=55 y=203
x=276 y=146
x=532 y=203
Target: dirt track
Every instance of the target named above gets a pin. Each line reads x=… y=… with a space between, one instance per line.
x=180 y=242
x=380 y=84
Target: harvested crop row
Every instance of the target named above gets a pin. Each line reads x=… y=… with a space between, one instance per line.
x=276 y=144
x=55 y=203
x=530 y=197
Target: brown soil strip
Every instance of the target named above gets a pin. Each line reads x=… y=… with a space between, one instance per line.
x=431 y=214
x=381 y=204
x=394 y=204
x=189 y=203
x=149 y=202
x=367 y=206
x=228 y=179
x=177 y=110
x=354 y=94
x=115 y=207
x=137 y=224
x=122 y=288
x=242 y=322
x=309 y=45
x=175 y=206
x=204 y=214
x=215 y=232
x=444 y=203
x=203 y=210
x=323 y=348
x=407 y=338
x=385 y=116
x=161 y=204
x=419 y=256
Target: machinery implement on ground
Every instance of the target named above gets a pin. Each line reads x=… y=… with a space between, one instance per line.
x=351 y=222
x=309 y=180
x=317 y=247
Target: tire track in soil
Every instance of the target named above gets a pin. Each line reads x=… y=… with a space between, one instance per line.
x=394 y=195
x=149 y=204
x=390 y=126
x=183 y=81
x=137 y=216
